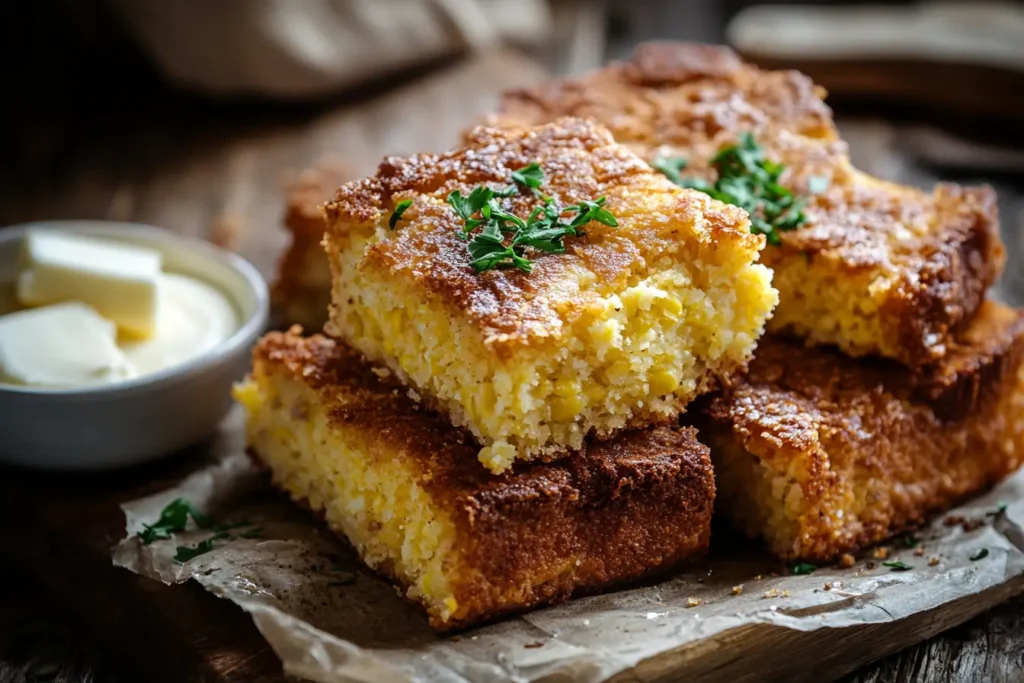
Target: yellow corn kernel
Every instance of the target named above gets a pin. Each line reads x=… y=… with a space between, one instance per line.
x=603 y=332
x=671 y=307
x=565 y=408
x=595 y=392
x=566 y=387
x=487 y=399
x=662 y=382
x=451 y=604
x=618 y=371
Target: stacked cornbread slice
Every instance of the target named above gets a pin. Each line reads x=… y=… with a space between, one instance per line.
x=537 y=295
x=622 y=329
x=915 y=399
x=405 y=488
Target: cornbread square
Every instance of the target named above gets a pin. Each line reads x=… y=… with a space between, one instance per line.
x=876 y=269
x=621 y=331
x=404 y=487
x=821 y=456
x=302 y=291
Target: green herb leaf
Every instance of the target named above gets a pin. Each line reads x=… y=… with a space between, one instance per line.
x=897 y=566
x=670 y=167
x=173 y=519
x=185 y=553
x=747 y=180
x=501 y=238
x=980 y=555
x=801 y=568
x=531 y=176
x=1000 y=509
x=396 y=215
x=910 y=541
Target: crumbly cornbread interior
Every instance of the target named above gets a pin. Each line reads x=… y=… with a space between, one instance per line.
x=623 y=330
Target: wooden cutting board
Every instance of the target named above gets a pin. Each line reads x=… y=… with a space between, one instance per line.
x=222 y=179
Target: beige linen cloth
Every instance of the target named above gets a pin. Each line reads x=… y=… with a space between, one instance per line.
x=306 y=48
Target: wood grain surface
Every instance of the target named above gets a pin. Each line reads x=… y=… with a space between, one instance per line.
x=67 y=615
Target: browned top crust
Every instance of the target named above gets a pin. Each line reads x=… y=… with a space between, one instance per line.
x=378 y=404
x=801 y=392
x=690 y=99
x=581 y=162
x=941 y=250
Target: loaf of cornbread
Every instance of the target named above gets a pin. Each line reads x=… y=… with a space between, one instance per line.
x=876 y=268
x=405 y=488
x=302 y=291
x=620 y=331
x=820 y=455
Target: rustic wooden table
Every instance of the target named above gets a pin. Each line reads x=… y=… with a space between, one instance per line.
x=215 y=171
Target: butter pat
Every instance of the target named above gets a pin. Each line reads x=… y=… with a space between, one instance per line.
x=66 y=345
x=118 y=280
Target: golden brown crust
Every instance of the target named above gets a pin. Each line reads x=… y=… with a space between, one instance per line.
x=940 y=251
x=620 y=510
x=581 y=162
x=301 y=292
x=908 y=443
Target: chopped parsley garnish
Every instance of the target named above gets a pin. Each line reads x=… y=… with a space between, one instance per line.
x=502 y=238
x=173 y=518
x=750 y=181
x=803 y=568
x=185 y=553
x=910 y=541
x=897 y=566
x=980 y=555
x=396 y=215
x=531 y=176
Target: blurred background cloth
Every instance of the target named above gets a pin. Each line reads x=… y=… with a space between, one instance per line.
x=302 y=48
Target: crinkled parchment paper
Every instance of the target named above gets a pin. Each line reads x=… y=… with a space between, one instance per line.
x=329 y=620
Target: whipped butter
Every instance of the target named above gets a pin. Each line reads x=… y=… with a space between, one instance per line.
x=107 y=315
x=66 y=345
x=193 y=318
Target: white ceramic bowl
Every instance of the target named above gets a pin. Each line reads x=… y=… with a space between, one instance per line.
x=130 y=422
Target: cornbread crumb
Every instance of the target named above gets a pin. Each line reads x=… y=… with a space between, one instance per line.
x=620 y=331
x=847 y=560
x=919 y=551
x=403 y=486
x=771 y=593
x=828 y=586
x=932 y=561
x=822 y=456
x=693 y=602
x=737 y=590
x=880 y=553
